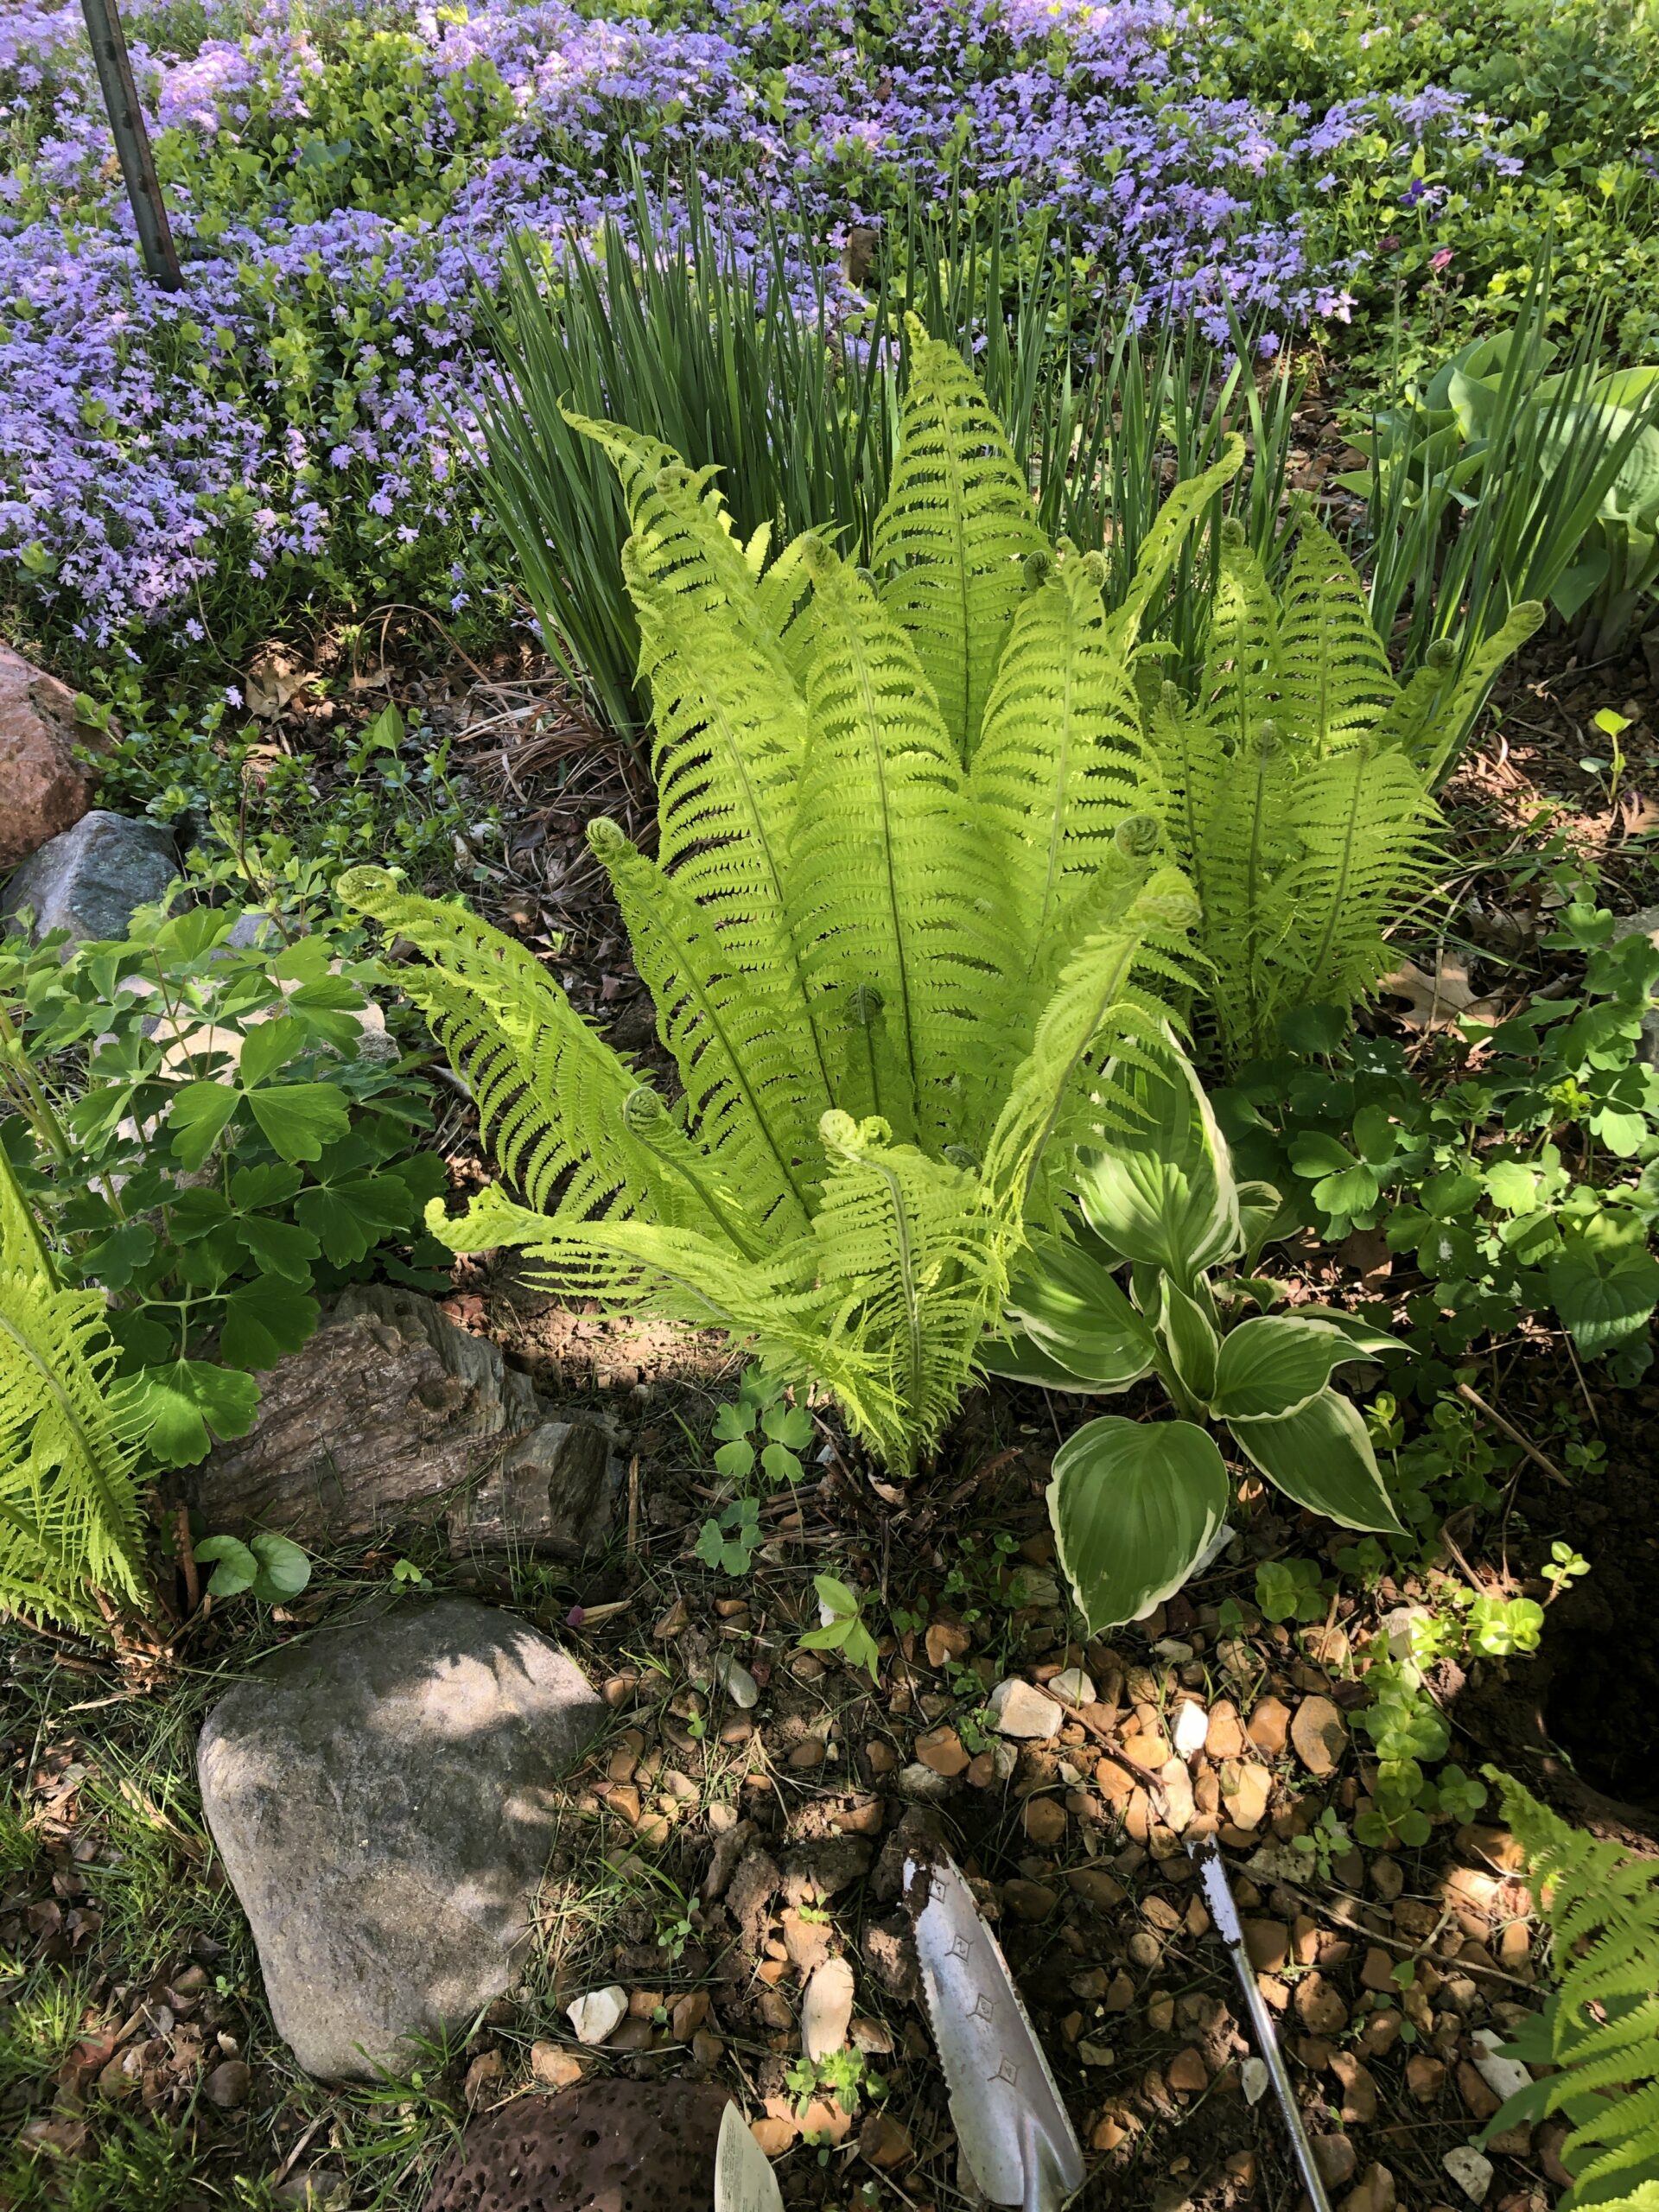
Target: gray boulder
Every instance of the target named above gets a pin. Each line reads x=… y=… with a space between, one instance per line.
x=93 y=878
x=384 y=1797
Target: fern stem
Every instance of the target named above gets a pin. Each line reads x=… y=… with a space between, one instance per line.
x=712 y=1203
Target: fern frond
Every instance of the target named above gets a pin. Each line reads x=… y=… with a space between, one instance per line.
x=948 y=542
x=904 y=1242
x=1603 y=1909
x=891 y=888
x=1334 y=681
x=1432 y=716
x=69 y=1515
x=550 y=1093
x=1241 y=671
x=752 y=1092
x=1161 y=546
x=1061 y=760
x=1361 y=818
x=1114 y=982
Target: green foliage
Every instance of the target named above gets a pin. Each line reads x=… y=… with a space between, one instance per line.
x=1599 y=2033
x=730 y=1541
x=1525 y=1182
x=841 y=1626
x=1498 y=438
x=901 y=962
x=710 y=349
x=762 y=1426
x=1408 y=1732
x=69 y=1452
x=272 y=1567
x=1290 y=1589
x=1135 y=1505
x=216 y=1135
x=1299 y=788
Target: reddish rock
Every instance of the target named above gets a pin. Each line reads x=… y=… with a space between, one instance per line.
x=1270 y=1725
x=43 y=789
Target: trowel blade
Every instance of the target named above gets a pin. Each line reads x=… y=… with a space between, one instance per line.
x=1012 y=2125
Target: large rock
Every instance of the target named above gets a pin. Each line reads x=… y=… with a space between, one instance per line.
x=384 y=1797
x=43 y=788
x=93 y=878
x=391 y=1415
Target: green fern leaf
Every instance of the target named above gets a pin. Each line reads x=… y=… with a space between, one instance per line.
x=753 y=1095
x=890 y=887
x=1334 y=681
x=69 y=1517
x=949 y=540
x=1163 y=544
x=1361 y=819
x=551 y=1095
x=1061 y=761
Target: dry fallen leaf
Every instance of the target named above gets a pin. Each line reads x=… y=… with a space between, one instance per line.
x=1440 y=1000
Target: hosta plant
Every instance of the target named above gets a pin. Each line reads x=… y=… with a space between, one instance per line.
x=907 y=927
x=1135 y=1505
x=1298 y=784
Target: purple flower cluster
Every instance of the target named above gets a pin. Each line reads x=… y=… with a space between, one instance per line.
x=337 y=177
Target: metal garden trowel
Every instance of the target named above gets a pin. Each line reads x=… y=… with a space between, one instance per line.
x=744 y=2181
x=1011 y=2126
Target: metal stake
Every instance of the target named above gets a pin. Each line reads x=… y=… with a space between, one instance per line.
x=1224 y=1910
x=132 y=142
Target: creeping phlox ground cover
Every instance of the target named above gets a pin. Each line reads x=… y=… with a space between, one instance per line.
x=339 y=172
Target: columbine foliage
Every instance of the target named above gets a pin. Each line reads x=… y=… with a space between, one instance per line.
x=1599 y=2033
x=1135 y=1505
x=905 y=934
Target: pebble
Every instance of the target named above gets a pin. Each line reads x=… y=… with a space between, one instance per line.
x=884 y=2141
x=1269 y=1727
x=921 y=1783
x=1096 y=2053
x=1424 y=2076
x=229 y=2084
x=553 y=2066
x=592 y=2017
x=808 y=1752
x=1073 y=1686
x=1098 y=1888
x=1032 y=1901
x=1505 y=2078
x=739 y=1684
x=827 y=2010
x=1472 y=2172
x=1244 y=1792
x=1191 y=1729
x=1224 y=1737
x=1187 y=2071
x=1336 y=2159
x=1319 y=1734
x=1253 y=2079
x=1318 y=2007
x=1044 y=1822
x=1018 y=1709
x=942 y=1750
x=1178 y=1795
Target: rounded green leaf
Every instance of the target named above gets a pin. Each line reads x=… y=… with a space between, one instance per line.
x=1321 y=1457
x=1192 y=1341
x=236 y=1569
x=1134 y=1504
x=1271 y=1365
x=284 y=1570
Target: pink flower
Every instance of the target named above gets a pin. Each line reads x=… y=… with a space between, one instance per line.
x=1440 y=260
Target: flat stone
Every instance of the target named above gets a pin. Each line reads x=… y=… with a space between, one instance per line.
x=44 y=790
x=1018 y=1709
x=1319 y=1734
x=91 y=879
x=1269 y=1727
x=1472 y=2172
x=384 y=1797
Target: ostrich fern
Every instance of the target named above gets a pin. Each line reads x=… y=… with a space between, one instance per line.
x=1297 y=793
x=1600 y=2029
x=69 y=1500
x=906 y=911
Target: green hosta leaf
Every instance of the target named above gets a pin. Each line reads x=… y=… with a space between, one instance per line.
x=284 y=1570
x=197 y=1116
x=1017 y=1360
x=1321 y=1457
x=1365 y=1342
x=278 y=1246
x=236 y=1569
x=1163 y=1194
x=1271 y=1365
x=1075 y=1311
x=1192 y=1341
x=300 y=1118
x=1602 y=1290
x=263 y=1320
x=178 y=1409
x=1133 y=1505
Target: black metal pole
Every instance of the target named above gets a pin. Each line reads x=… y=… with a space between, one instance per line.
x=131 y=141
